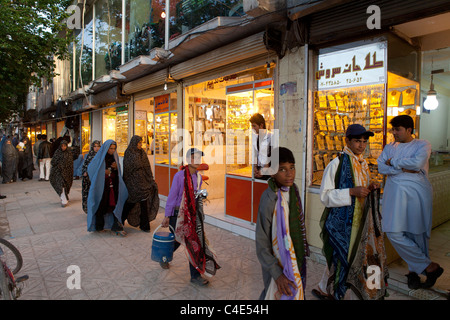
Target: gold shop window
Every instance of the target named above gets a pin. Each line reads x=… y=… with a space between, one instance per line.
x=243 y=101
x=85 y=132
x=334 y=111
x=166 y=130
x=115 y=127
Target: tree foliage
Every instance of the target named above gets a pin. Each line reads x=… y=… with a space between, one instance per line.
x=32 y=34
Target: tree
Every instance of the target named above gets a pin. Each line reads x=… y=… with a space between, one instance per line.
x=33 y=33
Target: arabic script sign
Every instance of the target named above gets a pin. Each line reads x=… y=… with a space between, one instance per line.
x=353 y=67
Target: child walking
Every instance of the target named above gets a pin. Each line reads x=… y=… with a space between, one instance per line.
x=281 y=244
x=184 y=214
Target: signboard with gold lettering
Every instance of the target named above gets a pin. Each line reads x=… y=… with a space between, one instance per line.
x=353 y=67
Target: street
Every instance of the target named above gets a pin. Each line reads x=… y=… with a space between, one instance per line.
x=54 y=242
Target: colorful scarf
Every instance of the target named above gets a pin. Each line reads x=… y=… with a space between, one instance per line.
x=189 y=229
x=289 y=241
x=341 y=226
x=337 y=230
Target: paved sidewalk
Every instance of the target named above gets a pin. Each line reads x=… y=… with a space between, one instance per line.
x=52 y=238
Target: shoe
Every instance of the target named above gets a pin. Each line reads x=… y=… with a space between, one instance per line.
x=164 y=265
x=413 y=281
x=320 y=295
x=432 y=277
x=41 y=179
x=3 y=197
x=121 y=233
x=199 y=281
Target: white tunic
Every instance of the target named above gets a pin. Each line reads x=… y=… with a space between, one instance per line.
x=407 y=197
x=329 y=196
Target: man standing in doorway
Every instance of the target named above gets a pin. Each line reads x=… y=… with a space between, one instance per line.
x=261 y=146
x=44 y=158
x=407 y=201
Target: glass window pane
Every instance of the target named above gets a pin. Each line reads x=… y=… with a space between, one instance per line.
x=85 y=132
x=162 y=138
x=108 y=36
x=239 y=110
x=115 y=127
x=174 y=139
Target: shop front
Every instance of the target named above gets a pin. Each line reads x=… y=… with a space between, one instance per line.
x=369 y=82
x=213 y=116
x=156 y=120
x=217 y=113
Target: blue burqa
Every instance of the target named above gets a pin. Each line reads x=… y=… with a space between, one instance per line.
x=96 y=172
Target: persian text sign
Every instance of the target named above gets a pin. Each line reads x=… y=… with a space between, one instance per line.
x=353 y=67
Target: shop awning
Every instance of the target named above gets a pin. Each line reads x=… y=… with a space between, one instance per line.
x=237 y=51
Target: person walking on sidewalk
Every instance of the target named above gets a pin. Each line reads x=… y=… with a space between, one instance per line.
x=10 y=161
x=25 y=159
x=86 y=182
x=281 y=245
x=407 y=201
x=143 y=201
x=352 y=236
x=44 y=159
x=184 y=213
x=36 y=148
x=108 y=192
x=61 y=172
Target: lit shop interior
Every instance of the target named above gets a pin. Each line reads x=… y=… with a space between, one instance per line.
x=416 y=83
x=216 y=121
x=374 y=105
x=115 y=127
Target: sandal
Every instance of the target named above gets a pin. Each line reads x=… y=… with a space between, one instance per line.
x=319 y=295
x=121 y=233
x=199 y=281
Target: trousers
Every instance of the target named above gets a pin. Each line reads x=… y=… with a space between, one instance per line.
x=173 y=223
x=412 y=248
x=44 y=168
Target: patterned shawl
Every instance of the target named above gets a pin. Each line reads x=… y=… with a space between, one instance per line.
x=89 y=156
x=61 y=171
x=137 y=173
x=343 y=229
x=289 y=241
x=190 y=231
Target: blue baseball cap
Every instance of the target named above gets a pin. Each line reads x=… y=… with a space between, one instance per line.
x=358 y=130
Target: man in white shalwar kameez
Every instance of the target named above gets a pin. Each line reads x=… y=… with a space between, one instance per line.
x=407 y=201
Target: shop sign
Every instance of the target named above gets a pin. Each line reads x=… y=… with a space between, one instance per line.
x=162 y=103
x=353 y=67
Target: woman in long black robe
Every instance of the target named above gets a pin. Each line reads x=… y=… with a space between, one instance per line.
x=143 y=201
x=10 y=161
x=26 y=160
x=61 y=172
x=86 y=183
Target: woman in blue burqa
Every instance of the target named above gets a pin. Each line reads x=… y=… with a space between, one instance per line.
x=108 y=193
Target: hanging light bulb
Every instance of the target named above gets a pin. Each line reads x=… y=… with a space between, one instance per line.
x=268 y=67
x=165 y=85
x=431 y=102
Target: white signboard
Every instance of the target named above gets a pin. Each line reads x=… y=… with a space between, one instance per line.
x=353 y=67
